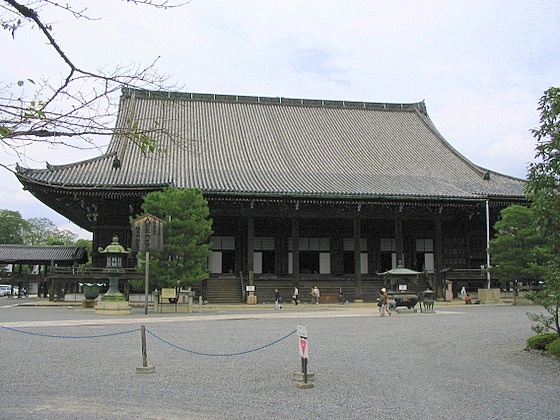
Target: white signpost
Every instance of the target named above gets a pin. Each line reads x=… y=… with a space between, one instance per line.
x=304 y=354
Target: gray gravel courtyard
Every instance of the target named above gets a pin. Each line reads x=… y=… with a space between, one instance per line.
x=463 y=362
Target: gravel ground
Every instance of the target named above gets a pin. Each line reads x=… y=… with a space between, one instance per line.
x=459 y=363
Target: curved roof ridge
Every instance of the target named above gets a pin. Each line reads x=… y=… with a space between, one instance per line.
x=22 y=170
x=490 y=171
x=269 y=100
x=478 y=169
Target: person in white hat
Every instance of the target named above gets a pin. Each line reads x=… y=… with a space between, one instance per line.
x=384 y=299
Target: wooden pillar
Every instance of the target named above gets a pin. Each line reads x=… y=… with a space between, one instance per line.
x=250 y=247
x=399 y=244
x=295 y=249
x=358 y=256
x=438 y=263
x=51 y=285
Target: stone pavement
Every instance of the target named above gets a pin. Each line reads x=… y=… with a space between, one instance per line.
x=463 y=362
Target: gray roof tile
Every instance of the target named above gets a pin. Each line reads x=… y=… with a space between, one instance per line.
x=278 y=146
x=26 y=254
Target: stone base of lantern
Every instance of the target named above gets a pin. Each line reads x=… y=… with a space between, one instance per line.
x=112 y=308
x=89 y=303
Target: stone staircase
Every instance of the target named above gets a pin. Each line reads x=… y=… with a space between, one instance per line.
x=223 y=290
x=228 y=289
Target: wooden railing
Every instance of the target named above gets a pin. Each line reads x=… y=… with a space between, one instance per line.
x=465 y=273
x=91 y=273
x=10 y=278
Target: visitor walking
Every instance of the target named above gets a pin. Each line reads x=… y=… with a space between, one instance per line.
x=277 y=300
x=295 y=295
x=315 y=294
x=384 y=299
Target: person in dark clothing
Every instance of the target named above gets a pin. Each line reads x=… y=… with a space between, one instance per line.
x=277 y=299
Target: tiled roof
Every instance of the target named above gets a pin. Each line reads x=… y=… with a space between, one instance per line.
x=284 y=147
x=25 y=254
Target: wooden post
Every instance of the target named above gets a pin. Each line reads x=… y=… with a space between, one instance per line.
x=144 y=350
x=144 y=368
x=147 y=283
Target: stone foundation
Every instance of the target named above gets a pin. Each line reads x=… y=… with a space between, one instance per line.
x=112 y=308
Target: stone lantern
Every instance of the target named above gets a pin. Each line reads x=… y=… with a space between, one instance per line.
x=113 y=302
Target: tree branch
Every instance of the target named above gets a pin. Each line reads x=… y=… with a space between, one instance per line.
x=82 y=104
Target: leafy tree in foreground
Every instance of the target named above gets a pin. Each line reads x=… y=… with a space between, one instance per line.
x=543 y=189
x=518 y=251
x=186 y=231
x=79 y=107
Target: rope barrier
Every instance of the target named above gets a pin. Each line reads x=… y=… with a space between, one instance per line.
x=219 y=354
x=68 y=336
x=153 y=335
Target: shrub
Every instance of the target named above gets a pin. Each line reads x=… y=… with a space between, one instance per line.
x=540 y=341
x=553 y=347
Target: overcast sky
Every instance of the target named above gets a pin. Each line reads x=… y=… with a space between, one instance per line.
x=480 y=66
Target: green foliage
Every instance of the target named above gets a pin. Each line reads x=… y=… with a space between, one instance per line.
x=11 y=26
x=549 y=299
x=543 y=189
x=4 y=131
x=554 y=348
x=35 y=110
x=88 y=244
x=543 y=186
x=42 y=231
x=144 y=138
x=186 y=231
x=518 y=251
x=20 y=83
x=11 y=227
x=34 y=231
x=540 y=341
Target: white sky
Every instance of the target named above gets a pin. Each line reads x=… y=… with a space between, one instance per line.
x=481 y=66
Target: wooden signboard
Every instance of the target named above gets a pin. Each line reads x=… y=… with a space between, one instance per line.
x=168 y=293
x=147 y=234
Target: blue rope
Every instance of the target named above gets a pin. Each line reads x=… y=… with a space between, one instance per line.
x=68 y=336
x=220 y=354
x=153 y=335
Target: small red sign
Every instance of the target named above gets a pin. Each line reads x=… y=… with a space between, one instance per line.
x=303 y=348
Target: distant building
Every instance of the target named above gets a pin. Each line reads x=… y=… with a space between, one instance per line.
x=43 y=259
x=300 y=191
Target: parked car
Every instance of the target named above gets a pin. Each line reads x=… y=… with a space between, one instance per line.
x=6 y=290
